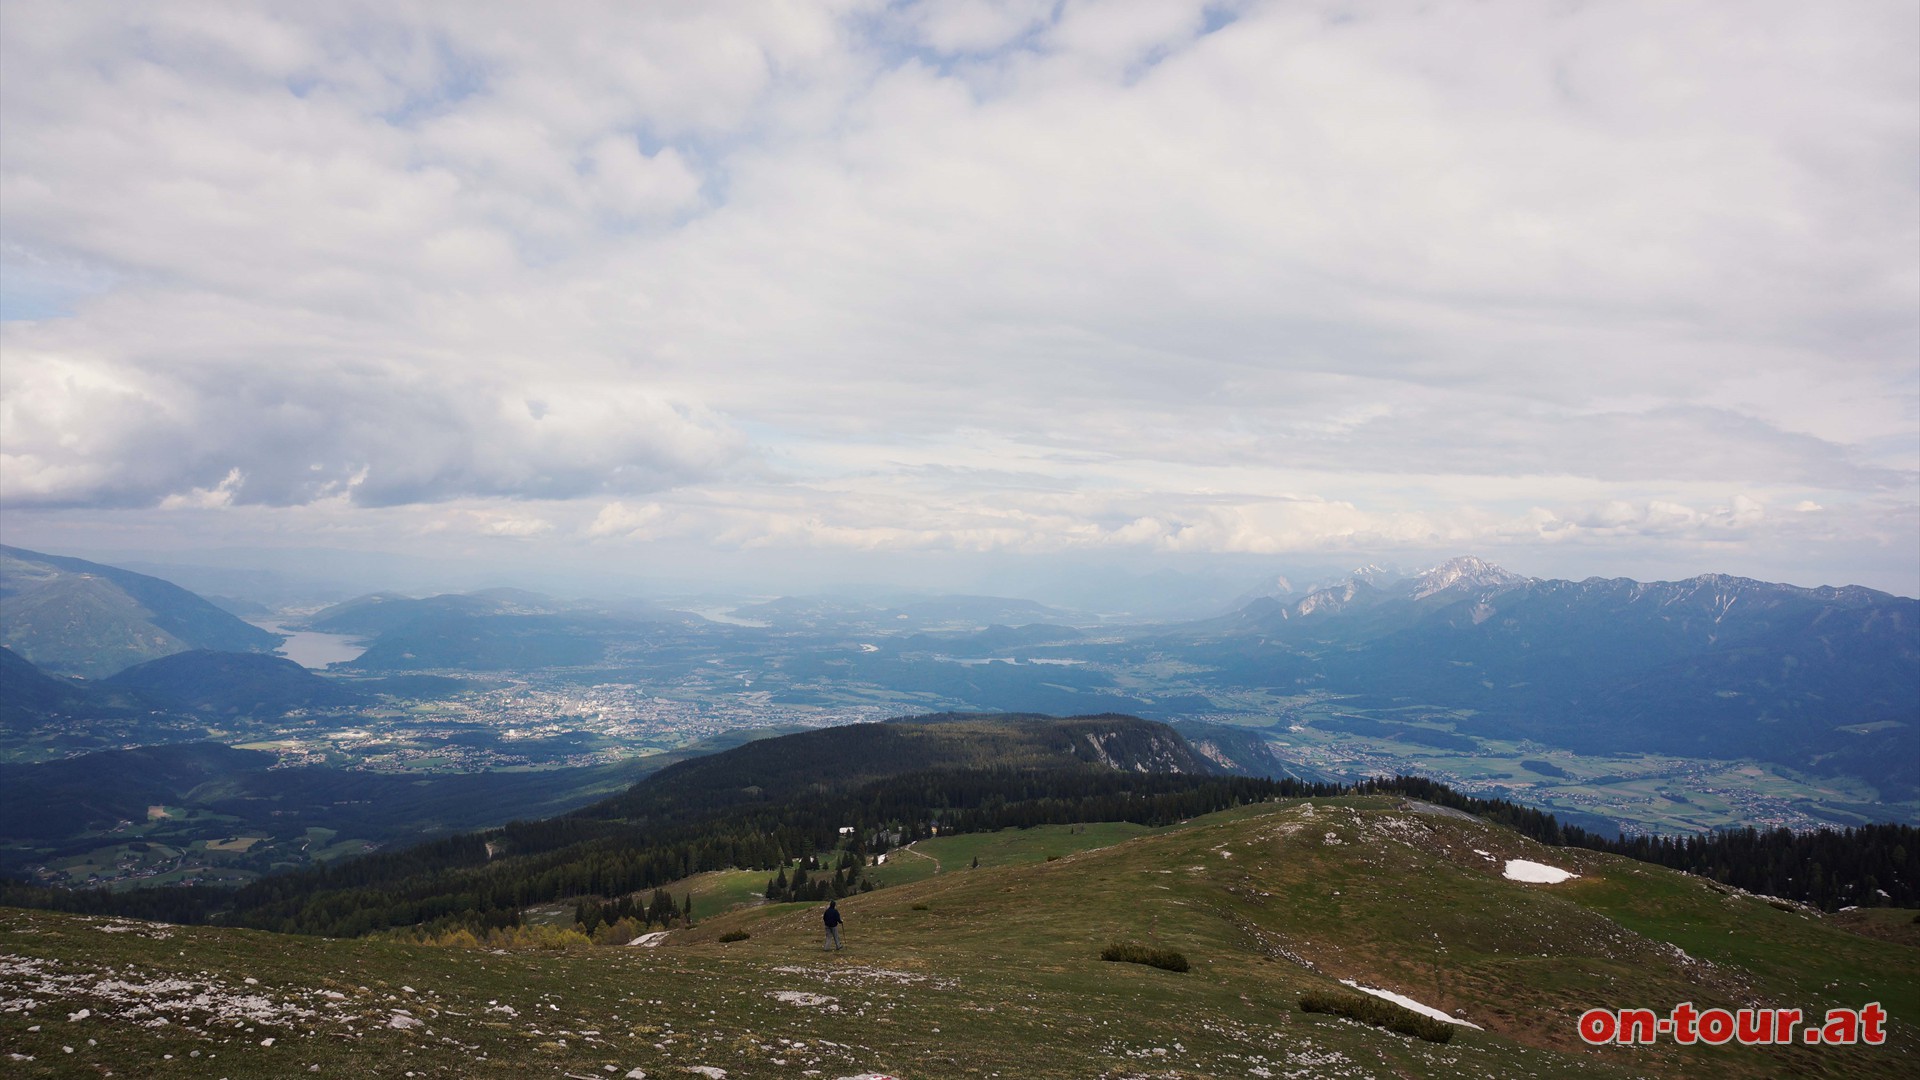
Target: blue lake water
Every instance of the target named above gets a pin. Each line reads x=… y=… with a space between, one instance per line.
x=312 y=650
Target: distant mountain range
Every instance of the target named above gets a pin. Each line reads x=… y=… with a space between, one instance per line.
x=1714 y=666
x=380 y=613
x=489 y=630
x=953 y=612
x=73 y=617
x=1824 y=680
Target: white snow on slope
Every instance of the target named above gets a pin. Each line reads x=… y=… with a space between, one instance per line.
x=801 y=997
x=1538 y=873
x=1406 y=1002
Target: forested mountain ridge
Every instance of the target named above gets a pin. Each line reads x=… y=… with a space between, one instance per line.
x=74 y=617
x=838 y=759
x=233 y=684
x=378 y=613
x=489 y=630
x=27 y=693
x=1821 y=679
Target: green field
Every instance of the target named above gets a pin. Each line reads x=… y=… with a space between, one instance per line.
x=995 y=971
x=1008 y=847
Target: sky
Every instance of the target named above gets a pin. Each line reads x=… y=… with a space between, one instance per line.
x=952 y=293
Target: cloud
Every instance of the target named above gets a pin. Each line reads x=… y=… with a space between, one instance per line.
x=888 y=515
x=1212 y=278
x=101 y=432
x=976 y=26
x=217 y=497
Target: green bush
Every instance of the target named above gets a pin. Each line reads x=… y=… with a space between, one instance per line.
x=1128 y=952
x=1380 y=1013
x=921 y=907
x=735 y=935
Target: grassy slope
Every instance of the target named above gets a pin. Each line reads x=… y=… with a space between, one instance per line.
x=998 y=973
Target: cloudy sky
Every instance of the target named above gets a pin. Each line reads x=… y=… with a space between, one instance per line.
x=1590 y=288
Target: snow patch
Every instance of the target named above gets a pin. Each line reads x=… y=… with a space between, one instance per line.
x=1536 y=873
x=146 y=930
x=801 y=997
x=866 y=976
x=1406 y=1002
x=150 y=1001
x=649 y=941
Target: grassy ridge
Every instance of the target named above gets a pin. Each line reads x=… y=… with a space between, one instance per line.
x=997 y=970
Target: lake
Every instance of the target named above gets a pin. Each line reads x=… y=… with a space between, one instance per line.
x=314 y=650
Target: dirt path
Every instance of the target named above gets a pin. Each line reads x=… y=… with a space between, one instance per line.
x=936 y=862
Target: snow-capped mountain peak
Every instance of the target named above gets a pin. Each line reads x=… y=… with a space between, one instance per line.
x=1372 y=574
x=1466 y=571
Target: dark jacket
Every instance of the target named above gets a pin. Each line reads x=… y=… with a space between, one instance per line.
x=832 y=916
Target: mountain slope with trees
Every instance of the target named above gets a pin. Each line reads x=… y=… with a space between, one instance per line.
x=1823 y=679
x=233 y=684
x=74 y=617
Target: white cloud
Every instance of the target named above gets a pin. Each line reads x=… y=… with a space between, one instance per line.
x=975 y=275
x=514 y=526
x=976 y=26
x=217 y=497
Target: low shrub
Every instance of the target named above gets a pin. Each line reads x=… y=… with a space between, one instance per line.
x=1380 y=1013
x=1129 y=952
x=735 y=935
x=921 y=907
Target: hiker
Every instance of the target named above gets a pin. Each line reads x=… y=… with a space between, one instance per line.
x=832 y=919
